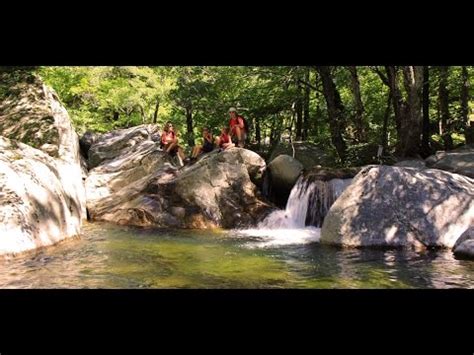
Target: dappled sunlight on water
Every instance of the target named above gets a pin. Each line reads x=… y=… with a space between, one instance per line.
x=110 y=256
x=264 y=238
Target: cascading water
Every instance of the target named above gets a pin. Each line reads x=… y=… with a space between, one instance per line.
x=303 y=216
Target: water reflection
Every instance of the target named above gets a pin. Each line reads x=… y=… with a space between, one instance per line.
x=124 y=257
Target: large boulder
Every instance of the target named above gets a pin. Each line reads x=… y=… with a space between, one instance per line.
x=36 y=208
x=111 y=145
x=31 y=113
x=306 y=153
x=280 y=177
x=464 y=246
x=460 y=161
x=285 y=171
x=137 y=184
x=389 y=206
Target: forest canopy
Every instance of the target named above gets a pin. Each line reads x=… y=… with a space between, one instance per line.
x=348 y=110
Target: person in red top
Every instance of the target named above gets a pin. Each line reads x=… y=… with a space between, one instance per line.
x=237 y=127
x=169 y=142
x=223 y=141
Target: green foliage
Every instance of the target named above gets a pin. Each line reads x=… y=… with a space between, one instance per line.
x=106 y=98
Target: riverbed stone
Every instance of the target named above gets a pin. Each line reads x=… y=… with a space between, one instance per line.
x=460 y=161
x=388 y=206
x=464 y=246
x=136 y=183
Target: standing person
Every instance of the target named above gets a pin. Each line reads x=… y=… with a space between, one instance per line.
x=238 y=128
x=207 y=144
x=224 y=141
x=169 y=142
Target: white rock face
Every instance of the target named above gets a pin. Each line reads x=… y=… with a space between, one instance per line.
x=133 y=182
x=389 y=206
x=36 y=208
x=46 y=166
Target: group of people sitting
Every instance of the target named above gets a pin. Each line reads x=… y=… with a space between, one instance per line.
x=235 y=134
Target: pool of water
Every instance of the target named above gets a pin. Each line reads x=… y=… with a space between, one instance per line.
x=109 y=256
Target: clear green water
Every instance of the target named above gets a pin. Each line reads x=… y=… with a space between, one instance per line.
x=110 y=256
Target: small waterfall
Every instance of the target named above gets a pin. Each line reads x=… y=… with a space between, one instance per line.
x=307 y=205
x=301 y=221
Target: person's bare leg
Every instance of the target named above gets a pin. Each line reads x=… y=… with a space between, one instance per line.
x=181 y=153
x=238 y=133
x=180 y=156
x=170 y=147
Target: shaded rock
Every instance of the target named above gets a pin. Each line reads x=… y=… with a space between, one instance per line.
x=414 y=163
x=110 y=145
x=464 y=246
x=325 y=174
x=254 y=164
x=31 y=113
x=285 y=171
x=136 y=183
x=36 y=207
x=401 y=207
x=306 y=153
x=465 y=250
x=178 y=212
x=86 y=141
x=460 y=161
x=280 y=177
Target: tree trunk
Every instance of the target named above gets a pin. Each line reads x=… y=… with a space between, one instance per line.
x=317 y=114
x=384 y=139
x=361 y=134
x=299 y=112
x=443 y=96
x=155 y=113
x=306 y=119
x=411 y=124
x=258 y=135
x=397 y=100
x=468 y=129
x=189 y=126
x=335 y=111
x=465 y=96
x=142 y=113
x=425 y=141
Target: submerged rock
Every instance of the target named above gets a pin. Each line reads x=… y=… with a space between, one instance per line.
x=135 y=183
x=401 y=207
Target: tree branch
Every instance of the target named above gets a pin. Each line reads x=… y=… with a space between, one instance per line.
x=309 y=85
x=381 y=75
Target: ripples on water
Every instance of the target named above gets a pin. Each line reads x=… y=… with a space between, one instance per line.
x=126 y=257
